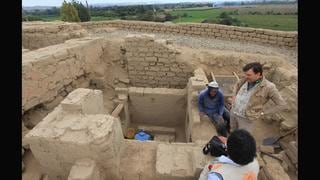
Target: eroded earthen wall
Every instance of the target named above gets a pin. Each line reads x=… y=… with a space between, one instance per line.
x=50 y=73
x=77 y=129
x=262 y=36
x=38 y=35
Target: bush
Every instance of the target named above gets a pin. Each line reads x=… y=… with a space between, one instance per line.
x=235 y=12
x=168 y=17
x=32 y=18
x=255 y=13
x=226 y=19
x=223 y=15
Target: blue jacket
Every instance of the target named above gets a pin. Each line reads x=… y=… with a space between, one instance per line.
x=208 y=105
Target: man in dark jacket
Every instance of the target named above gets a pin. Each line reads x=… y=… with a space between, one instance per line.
x=211 y=103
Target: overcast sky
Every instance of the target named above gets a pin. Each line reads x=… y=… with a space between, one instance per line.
x=59 y=2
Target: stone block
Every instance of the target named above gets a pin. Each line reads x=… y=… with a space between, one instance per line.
x=71 y=137
x=150 y=59
x=293 y=157
x=274 y=170
x=84 y=101
x=124 y=80
x=287 y=125
x=85 y=169
x=260 y=160
x=268 y=149
x=174 y=162
x=293 y=147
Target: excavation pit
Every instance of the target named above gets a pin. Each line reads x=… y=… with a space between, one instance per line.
x=146 y=83
x=160 y=111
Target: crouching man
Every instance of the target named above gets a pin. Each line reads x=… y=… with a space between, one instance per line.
x=211 y=103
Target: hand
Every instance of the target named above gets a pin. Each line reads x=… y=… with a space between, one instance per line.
x=221 y=120
x=233 y=99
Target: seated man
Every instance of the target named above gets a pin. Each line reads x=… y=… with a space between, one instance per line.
x=241 y=162
x=211 y=103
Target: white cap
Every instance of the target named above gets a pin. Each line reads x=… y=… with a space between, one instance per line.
x=213 y=84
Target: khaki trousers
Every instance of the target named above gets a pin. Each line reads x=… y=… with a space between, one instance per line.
x=238 y=122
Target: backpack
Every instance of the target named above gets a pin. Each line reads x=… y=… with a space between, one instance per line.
x=143 y=136
x=216 y=147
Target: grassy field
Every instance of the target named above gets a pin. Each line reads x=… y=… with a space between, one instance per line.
x=50 y=18
x=265 y=18
x=101 y=18
x=275 y=22
x=196 y=15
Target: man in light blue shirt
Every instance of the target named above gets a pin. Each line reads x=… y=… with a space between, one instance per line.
x=211 y=103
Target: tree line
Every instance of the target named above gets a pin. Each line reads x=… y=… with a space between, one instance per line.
x=73 y=11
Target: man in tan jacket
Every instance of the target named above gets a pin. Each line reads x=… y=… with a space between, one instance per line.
x=250 y=95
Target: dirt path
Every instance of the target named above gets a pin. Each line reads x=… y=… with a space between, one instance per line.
x=291 y=55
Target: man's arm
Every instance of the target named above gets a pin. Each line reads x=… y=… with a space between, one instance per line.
x=276 y=97
x=221 y=104
x=200 y=102
x=236 y=88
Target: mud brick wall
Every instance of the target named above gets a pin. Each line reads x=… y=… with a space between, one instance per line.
x=260 y=36
x=50 y=73
x=153 y=63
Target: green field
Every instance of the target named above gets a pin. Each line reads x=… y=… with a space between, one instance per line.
x=50 y=18
x=197 y=15
x=265 y=16
x=275 y=22
x=101 y=18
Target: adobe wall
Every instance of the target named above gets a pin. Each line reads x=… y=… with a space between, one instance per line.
x=157 y=106
x=38 y=35
x=50 y=73
x=262 y=36
x=153 y=63
x=77 y=129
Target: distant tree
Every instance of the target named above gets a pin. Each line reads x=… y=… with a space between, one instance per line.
x=83 y=12
x=69 y=13
x=168 y=16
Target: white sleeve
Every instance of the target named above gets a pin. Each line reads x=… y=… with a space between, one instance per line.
x=204 y=173
x=214 y=176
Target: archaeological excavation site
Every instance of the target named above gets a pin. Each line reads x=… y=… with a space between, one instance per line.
x=88 y=87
